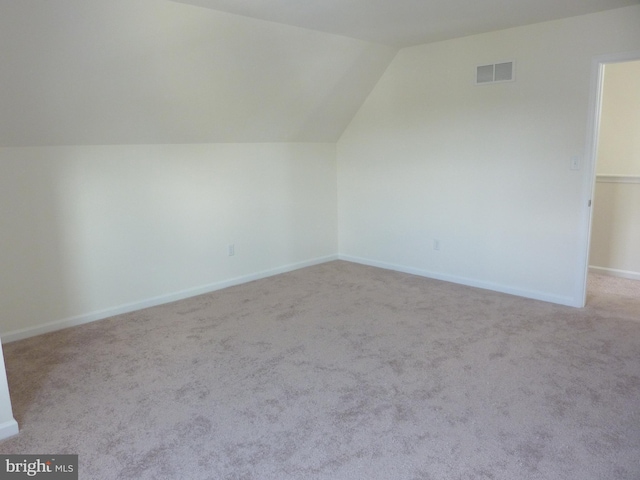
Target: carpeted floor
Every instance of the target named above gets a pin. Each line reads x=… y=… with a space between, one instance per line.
x=341 y=371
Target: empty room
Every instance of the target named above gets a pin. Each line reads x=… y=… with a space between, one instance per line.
x=364 y=239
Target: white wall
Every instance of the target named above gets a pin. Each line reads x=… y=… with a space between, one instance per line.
x=138 y=139
x=485 y=170
x=615 y=234
x=88 y=232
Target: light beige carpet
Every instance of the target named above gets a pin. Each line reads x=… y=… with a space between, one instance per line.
x=340 y=371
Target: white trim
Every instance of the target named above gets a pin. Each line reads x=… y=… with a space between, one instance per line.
x=614 y=272
x=155 y=301
x=8 y=429
x=470 y=282
x=617 y=178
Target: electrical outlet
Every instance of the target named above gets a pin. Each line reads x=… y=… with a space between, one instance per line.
x=436 y=244
x=232 y=249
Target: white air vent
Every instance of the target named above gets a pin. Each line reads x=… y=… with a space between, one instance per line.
x=495 y=72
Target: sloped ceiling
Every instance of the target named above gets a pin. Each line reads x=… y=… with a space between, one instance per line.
x=403 y=23
x=79 y=72
x=82 y=72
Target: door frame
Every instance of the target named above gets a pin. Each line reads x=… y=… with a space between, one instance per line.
x=591 y=157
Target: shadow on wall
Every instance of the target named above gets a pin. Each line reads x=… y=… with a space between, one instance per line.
x=94 y=231
x=34 y=258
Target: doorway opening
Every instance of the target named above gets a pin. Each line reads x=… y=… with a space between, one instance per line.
x=612 y=257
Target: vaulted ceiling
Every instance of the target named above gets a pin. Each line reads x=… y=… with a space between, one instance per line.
x=82 y=72
x=87 y=72
x=402 y=23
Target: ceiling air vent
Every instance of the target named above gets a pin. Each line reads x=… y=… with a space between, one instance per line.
x=494 y=73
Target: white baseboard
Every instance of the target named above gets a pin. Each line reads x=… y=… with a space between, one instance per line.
x=8 y=429
x=613 y=272
x=496 y=287
x=155 y=301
